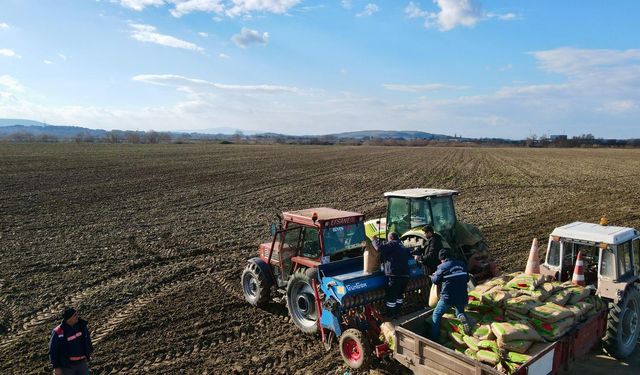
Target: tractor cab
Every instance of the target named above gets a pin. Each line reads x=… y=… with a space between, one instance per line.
x=611 y=267
x=412 y=209
x=309 y=237
x=611 y=256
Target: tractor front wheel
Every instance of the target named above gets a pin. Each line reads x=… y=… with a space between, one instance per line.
x=355 y=350
x=623 y=326
x=255 y=285
x=301 y=302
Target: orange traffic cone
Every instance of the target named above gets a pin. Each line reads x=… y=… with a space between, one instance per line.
x=533 y=264
x=578 y=271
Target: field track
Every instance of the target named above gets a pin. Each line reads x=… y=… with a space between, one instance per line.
x=149 y=241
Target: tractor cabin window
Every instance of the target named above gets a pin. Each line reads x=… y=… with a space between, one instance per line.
x=420 y=215
x=624 y=257
x=636 y=255
x=590 y=255
x=553 y=257
x=310 y=243
x=444 y=216
x=607 y=268
x=399 y=215
x=343 y=238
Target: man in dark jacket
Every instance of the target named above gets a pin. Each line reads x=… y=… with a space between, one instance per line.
x=395 y=259
x=70 y=346
x=429 y=256
x=453 y=277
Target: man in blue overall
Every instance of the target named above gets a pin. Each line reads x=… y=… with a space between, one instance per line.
x=70 y=346
x=395 y=259
x=453 y=277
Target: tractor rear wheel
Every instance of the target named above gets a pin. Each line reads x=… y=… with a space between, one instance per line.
x=255 y=285
x=301 y=302
x=355 y=350
x=623 y=326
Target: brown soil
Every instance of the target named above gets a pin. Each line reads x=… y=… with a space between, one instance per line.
x=148 y=242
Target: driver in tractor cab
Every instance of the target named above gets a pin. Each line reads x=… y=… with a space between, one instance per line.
x=395 y=259
x=429 y=256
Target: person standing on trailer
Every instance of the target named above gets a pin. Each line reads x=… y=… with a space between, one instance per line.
x=453 y=277
x=394 y=257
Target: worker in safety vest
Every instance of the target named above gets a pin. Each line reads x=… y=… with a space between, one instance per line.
x=70 y=346
x=394 y=257
x=453 y=277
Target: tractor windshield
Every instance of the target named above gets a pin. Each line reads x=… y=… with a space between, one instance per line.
x=404 y=214
x=444 y=216
x=342 y=238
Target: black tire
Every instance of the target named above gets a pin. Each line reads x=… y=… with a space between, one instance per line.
x=301 y=302
x=623 y=325
x=255 y=285
x=355 y=349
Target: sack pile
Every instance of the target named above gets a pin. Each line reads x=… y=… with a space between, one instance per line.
x=516 y=316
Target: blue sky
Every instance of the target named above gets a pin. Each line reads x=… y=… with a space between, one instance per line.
x=479 y=68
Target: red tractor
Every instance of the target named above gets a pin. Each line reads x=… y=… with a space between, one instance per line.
x=304 y=240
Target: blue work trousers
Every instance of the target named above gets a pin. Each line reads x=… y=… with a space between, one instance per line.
x=441 y=308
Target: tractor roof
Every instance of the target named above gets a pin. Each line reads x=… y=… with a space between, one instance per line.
x=421 y=193
x=328 y=216
x=595 y=233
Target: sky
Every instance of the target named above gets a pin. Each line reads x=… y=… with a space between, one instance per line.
x=475 y=68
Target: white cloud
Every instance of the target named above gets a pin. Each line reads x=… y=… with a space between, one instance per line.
x=3 y=26
x=9 y=83
x=368 y=10
x=454 y=13
x=247 y=37
x=203 y=34
x=218 y=19
x=188 y=84
x=6 y=52
x=148 y=34
x=619 y=106
x=138 y=5
x=48 y=62
x=224 y=56
x=183 y=7
x=62 y=57
x=502 y=16
x=241 y=7
x=346 y=4
x=421 y=88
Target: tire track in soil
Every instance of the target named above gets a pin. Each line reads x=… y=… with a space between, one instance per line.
x=45 y=315
x=226 y=336
x=130 y=309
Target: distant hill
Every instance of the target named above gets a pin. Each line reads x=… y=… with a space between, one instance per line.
x=11 y=122
x=16 y=126
x=10 y=127
x=391 y=134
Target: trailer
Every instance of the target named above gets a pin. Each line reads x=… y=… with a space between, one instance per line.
x=425 y=357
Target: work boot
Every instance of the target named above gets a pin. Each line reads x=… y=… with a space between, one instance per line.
x=388 y=312
x=466 y=328
x=397 y=311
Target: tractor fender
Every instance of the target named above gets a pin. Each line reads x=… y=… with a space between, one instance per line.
x=264 y=267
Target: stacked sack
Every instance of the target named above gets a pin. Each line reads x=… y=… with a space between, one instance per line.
x=515 y=316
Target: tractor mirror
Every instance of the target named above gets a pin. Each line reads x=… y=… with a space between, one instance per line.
x=272 y=229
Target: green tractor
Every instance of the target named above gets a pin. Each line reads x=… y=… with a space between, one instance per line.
x=411 y=209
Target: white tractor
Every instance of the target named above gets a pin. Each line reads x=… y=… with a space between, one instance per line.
x=611 y=257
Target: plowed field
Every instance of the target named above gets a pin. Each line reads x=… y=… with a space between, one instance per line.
x=148 y=242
